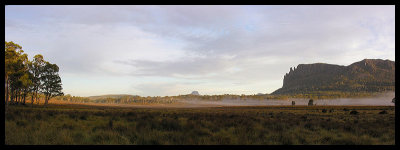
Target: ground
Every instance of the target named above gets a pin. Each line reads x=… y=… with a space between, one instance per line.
x=271 y=125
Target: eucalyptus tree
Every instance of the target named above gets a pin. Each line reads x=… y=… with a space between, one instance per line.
x=11 y=57
x=15 y=68
x=36 y=68
x=26 y=83
x=51 y=81
x=23 y=76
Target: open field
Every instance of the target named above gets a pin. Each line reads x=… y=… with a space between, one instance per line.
x=89 y=124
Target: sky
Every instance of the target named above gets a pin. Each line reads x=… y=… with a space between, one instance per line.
x=174 y=50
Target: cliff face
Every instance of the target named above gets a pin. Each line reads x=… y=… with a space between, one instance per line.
x=370 y=75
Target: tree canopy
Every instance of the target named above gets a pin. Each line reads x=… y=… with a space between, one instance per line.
x=24 y=77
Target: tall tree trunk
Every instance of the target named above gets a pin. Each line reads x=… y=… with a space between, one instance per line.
x=36 y=97
x=19 y=96
x=6 y=91
x=23 y=103
x=33 y=95
x=46 y=100
x=16 y=96
x=12 y=96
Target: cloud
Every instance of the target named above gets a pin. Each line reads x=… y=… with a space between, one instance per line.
x=220 y=46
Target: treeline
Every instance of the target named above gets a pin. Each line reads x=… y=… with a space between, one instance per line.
x=120 y=100
x=308 y=95
x=228 y=97
x=129 y=99
x=25 y=78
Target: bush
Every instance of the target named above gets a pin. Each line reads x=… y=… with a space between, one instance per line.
x=383 y=112
x=83 y=117
x=38 y=116
x=51 y=113
x=170 y=124
x=310 y=102
x=67 y=126
x=324 y=110
x=110 y=124
x=22 y=123
x=308 y=126
x=354 y=112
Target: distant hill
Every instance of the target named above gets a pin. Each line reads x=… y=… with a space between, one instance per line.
x=368 y=75
x=195 y=93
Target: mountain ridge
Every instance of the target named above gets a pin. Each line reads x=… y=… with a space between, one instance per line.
x=367 y=75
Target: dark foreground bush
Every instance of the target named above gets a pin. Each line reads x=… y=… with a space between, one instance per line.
x=354 y=112
x=383 y=112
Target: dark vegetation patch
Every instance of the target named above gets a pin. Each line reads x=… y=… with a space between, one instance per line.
x=383 y=112
x=354 y=112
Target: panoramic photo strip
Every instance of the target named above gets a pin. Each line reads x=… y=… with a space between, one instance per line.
x=199 y=75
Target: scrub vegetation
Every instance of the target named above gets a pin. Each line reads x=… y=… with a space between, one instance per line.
x=288 y=125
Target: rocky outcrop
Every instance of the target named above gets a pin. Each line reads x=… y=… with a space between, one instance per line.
x=195 y=93
x=365 y=75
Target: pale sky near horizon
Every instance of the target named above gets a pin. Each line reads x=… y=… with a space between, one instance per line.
x=173 y=50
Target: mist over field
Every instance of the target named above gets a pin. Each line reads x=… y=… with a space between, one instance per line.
x=385 y=99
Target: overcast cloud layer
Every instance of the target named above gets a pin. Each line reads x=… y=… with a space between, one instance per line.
x=172 y=50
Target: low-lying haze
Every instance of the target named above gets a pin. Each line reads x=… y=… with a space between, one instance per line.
x=381 y=100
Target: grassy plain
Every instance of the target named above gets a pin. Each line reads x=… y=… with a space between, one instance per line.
x=272 y=125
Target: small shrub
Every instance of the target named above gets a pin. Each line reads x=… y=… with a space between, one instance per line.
x=110 y=124
x=51 y=113
x=170 y=124
x=310 y=102
x=383 y=112
x=10 y=117
x=99 y=113
x=131 y=114
x=345 y=109
x=72 y=115
x=354 y=112
x=307 y=126
x=22 y=123
x=120 y=128
x=38 y=116
x=67 y=126
x=141 y=125
x=83 y=117
x=130 y=118
x=324 y=110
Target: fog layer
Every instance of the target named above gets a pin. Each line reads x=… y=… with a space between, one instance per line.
x=384 y=99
